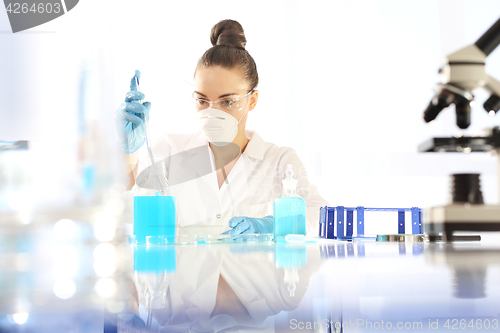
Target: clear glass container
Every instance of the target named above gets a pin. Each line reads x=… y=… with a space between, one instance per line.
x=154 y=269
x=289 y=210
x=154 y=204
x=290 y=257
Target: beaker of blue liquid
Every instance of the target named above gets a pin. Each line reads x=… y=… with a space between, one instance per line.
x=154 y=205
x=289 y=209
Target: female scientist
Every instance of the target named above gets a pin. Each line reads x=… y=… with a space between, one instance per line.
x=225 y=177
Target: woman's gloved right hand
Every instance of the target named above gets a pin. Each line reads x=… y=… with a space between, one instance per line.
x=250 y=225
x=130 y=119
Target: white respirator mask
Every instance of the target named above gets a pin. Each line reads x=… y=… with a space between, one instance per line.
x=219 y=127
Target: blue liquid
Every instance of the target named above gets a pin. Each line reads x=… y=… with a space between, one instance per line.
x=290 y=256
x=153 y=216
x=154 y=259
x=289 y=217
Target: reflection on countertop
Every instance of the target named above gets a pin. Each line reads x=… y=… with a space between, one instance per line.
x=52 y=285
x=280 y=287
x=221 y=286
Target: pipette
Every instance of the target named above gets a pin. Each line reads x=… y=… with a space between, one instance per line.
x=146 y=134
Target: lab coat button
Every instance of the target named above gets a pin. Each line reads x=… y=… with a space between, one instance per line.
x=218 y=216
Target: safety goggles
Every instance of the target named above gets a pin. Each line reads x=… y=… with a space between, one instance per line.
x=231 y=105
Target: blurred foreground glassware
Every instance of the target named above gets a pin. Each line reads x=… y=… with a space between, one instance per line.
x=154 y=267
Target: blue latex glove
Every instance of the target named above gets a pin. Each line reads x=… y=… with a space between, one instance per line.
x=250 y=225
x=130 y=119
x=131 y=320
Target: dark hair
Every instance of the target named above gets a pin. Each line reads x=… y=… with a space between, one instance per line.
x=228 y=50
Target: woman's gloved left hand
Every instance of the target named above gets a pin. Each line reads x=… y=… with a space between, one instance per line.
x=250 y=225
x=130 y=320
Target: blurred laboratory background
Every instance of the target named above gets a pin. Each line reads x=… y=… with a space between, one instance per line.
x=342 y=82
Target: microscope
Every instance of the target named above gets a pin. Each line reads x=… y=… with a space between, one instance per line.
x=461 y=73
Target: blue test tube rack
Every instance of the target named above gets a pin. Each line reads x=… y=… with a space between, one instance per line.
x=343 y=218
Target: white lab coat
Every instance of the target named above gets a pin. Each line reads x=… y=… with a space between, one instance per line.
x=249 y=190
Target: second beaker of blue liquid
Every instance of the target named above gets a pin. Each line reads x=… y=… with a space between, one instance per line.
x=289 y=209
x=154 y=206
x=289 y=217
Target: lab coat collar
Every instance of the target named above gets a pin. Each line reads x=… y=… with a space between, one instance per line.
x=254 y=148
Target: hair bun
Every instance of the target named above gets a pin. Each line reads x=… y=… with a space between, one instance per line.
x=228 y=32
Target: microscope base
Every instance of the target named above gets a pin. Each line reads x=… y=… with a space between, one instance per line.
x=460 y=217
